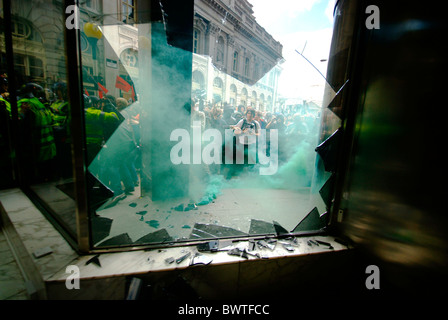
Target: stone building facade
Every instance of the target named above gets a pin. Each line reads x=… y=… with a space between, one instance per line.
x=235 y=60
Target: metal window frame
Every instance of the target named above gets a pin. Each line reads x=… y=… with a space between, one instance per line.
x=77 y=127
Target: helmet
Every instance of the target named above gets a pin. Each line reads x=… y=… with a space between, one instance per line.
x=31 y=90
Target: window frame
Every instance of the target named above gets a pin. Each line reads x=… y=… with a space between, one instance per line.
x=125 y=17
x=235 y=61
x=220 y=48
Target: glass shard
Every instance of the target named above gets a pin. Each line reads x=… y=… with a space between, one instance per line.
x=280 y=230
x=327 y=191
x=261 y=227
x=201 y=230
x=159 y=236
x=328 y=150
x=102 y=226
x=121 y=239
x=312 y=221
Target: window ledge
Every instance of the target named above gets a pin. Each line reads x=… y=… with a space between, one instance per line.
x=25 y=218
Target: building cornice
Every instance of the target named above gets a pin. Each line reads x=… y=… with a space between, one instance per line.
x=232 y=17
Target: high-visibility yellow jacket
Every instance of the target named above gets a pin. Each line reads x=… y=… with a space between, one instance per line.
x=59 y=110
x=95 y=122
x=7 y=104
x=43 y=127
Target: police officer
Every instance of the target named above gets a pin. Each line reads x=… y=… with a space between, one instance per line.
x=60 y=107
x=37 y=131
x=96 y=122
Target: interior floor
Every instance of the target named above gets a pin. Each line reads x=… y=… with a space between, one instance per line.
x=233 y=208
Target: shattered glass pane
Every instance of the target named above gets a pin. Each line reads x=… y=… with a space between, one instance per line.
x=180 y=159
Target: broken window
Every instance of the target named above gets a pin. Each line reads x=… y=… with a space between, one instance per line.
x=174 y=156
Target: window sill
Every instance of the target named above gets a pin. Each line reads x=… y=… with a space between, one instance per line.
x=118 y=266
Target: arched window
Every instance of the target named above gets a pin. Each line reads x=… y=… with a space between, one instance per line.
x=198 y=80
x=253 y=103
x=217 y=82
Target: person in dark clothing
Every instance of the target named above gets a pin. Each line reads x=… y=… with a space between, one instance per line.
x=278 y=123
x=217 y=122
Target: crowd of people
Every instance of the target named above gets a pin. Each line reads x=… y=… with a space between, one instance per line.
x=44 y=118
x=44 y=123
x=289 y=121
x=44 y=136
x=293 y=125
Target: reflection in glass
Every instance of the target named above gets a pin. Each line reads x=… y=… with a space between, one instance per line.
x=7 y=155
x=39 y=74
x=169 y=136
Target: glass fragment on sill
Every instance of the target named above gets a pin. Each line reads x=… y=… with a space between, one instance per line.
x=238 y=253
x=182 y=258
x=288 y=247
x=325 y=244
x=94 y=260
x=211 y=246
x=200 y=259
x=169 y=260
x=266 y=244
